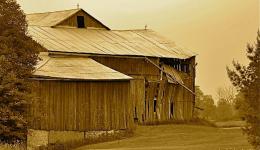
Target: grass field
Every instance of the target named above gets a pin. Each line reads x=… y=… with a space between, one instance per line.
x=179 y=137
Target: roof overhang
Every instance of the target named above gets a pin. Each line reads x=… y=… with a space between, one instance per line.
x=74 y=68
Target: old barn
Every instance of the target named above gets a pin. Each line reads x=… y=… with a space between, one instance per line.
x=96 y=78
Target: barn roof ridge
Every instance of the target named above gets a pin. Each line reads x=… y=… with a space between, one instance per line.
x=108 y=42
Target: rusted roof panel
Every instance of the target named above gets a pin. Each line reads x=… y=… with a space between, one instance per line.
x=78 y=68
x=114 y=42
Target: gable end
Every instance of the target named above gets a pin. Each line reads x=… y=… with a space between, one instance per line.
x=88 y=21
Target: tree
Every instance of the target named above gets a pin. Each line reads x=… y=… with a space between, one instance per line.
x=226 y=104
x=209 y=107
x=18 y=56
x=247 y=80
x=224 y=111
x=226 y=94
x=198 y=101
x=205 y=105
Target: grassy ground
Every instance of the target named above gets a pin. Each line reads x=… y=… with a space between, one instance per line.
x=227 y=124
x=179 y=137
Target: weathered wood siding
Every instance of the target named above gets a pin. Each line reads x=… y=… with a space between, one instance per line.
x=82 y=106
x=138 y=96
x=130 y=66
x=89 y=21
x=147 y=85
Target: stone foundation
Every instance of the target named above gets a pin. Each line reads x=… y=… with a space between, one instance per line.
x=39 y=139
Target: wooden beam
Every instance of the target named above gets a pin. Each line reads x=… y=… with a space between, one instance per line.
x=169 y=75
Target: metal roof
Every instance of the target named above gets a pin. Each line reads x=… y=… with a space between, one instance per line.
x=75 y=68
x=50 y=18
x=107 y=42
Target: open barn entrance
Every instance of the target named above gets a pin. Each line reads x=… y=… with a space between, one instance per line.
x=172 y=110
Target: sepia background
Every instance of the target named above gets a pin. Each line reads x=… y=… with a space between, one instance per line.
x=218 y=30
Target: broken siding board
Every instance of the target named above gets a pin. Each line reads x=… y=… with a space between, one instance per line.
x=159 y=101
x=149 y=100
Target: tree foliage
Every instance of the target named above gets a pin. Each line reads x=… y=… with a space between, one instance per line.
x=226 y=94
x=226 y=104
x=18 y=56
x=205 y=105
x=247 y=80
x=223 y=111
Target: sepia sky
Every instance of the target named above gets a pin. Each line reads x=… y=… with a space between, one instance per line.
x=217 y=30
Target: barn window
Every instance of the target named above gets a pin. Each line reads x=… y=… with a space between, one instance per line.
x=81 y=21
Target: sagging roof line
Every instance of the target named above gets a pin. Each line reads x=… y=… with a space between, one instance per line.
x=170 y=76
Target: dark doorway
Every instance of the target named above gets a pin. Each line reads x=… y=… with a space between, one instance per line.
x=135 y=116
x=172 y=110
x=154 y=104
x=81 y=21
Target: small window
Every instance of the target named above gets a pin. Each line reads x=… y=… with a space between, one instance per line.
x=80 y=21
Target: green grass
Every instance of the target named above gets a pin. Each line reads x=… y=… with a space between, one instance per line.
x=179 y=137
